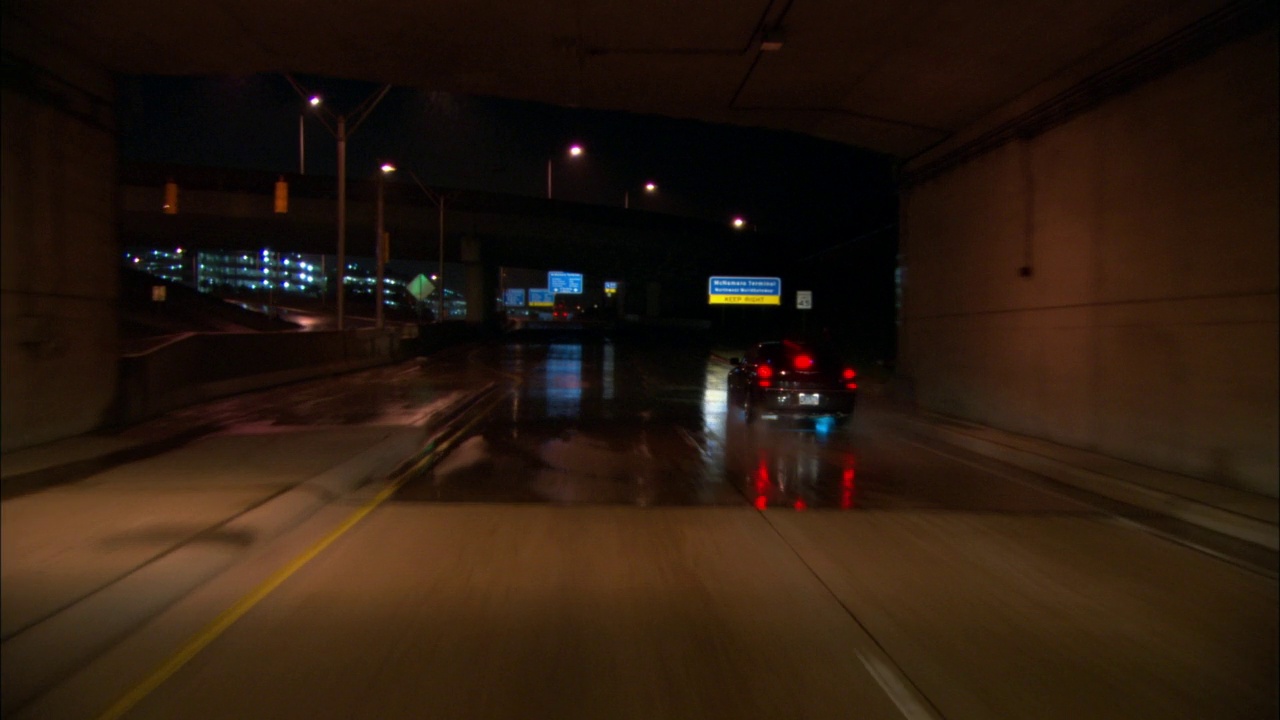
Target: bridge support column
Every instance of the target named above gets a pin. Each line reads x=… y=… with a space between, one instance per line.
x=479 y=282
x=59 y=348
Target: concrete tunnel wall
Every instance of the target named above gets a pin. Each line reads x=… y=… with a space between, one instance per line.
x=59 y=274
x=1147 y=329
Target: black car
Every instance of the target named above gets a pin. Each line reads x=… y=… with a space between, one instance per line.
x=788 y=378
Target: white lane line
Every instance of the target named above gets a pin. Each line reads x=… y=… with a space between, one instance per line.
x=897 y=687
x=909 y=699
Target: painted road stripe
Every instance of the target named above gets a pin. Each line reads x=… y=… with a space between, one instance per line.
x=229 y=616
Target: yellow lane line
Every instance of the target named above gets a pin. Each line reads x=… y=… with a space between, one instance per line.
x=228 y=617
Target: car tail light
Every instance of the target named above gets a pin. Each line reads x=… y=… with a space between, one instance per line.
x=803 y=362
x=848 y=375
x=764 y=375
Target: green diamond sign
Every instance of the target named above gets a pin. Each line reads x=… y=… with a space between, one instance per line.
x=420 y=287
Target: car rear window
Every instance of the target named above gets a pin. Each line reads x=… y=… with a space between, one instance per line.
x=780 y=353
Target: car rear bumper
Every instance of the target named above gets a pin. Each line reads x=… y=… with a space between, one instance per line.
x=801 y=402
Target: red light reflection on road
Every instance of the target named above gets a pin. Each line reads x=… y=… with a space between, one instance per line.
x=848 y=487
x=762 y=483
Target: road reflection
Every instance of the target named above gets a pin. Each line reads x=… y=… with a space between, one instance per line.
x=793 y=466
x=599 y=423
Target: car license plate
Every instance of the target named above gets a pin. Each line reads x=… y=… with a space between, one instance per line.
x=810 y=398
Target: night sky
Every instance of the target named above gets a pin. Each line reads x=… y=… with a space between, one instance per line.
x=816 y=192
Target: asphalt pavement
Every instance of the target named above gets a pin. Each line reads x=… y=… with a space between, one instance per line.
x=119 y=526
x=103 y=531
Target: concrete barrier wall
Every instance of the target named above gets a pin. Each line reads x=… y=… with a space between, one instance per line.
x=1144 y=325
x=201 y=366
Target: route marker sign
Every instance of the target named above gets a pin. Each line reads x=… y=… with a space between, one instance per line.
x=564 y=283
x=722 y=290
x=804 y=299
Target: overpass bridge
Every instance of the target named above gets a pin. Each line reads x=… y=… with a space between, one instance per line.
x=661 y=261
x=222 y=208
x=1088 y=199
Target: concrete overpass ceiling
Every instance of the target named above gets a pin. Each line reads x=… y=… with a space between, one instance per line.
x=894 y=77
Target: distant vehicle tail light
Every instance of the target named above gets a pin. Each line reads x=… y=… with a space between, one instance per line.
x=803 y=362
x=849 y=374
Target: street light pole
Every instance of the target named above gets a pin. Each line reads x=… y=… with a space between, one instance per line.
x=302 y=135
x=439 y=199
x=342 y=216
x=380 y=250
x=341 y=133
x=440 y=274
x=649 y=187
x=302 y=143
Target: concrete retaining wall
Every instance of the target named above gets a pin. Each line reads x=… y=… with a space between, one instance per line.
x=201 y=366
x=1111 y=284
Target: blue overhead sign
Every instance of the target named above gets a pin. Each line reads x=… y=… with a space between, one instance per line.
x=565 y=283
x=515 y=297
x=541 y=297
x=744 y=291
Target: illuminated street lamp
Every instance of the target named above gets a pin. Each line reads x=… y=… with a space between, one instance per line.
x=314 y=102
x=574 y=151
x=380 y=234
x=341 y=133
x=739 y=223
x=649 y=187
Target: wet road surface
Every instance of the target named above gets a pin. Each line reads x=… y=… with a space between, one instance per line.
x=598 y=422
x=611 y=540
